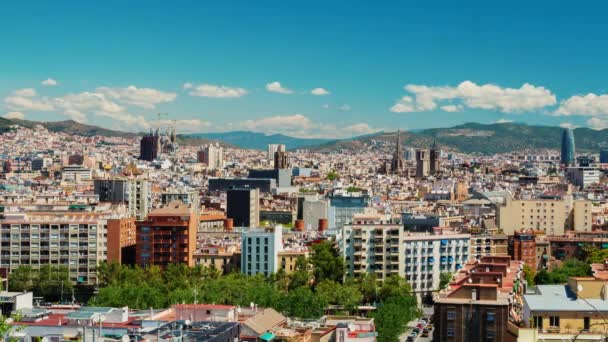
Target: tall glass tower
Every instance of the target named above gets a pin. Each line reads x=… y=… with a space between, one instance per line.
x=567 y=147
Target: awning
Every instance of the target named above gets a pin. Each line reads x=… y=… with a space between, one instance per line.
x=267 y=336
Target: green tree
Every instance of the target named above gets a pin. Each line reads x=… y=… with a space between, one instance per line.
x=303 y=303
x=392 y=315
x=368 y=285
x=394 y=286
x=560 y=275
x=596 y=255
x=301 y=275
x=444 y=279
x=346 y=295
x=332 y=175
x=529 y=275
x=327 y=262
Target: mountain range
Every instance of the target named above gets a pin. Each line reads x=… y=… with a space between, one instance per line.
x=467 y=138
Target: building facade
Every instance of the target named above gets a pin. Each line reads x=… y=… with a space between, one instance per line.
x=260 y=250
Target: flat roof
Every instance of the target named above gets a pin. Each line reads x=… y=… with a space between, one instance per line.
x=561 y=298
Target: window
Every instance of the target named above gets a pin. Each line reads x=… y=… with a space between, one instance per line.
x=554 y=321
x=490 y=317
x=450 y=332
x=490 y=335
x=451 y=315
x=586 y=323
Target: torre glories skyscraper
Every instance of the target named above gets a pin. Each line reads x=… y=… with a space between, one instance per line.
x=567 y=147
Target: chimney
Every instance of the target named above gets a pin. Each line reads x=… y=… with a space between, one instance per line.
x=228 y=224
x=323 y=224
x=299 y=225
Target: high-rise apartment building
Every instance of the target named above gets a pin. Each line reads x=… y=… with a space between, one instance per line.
x=567 y=156
x=76 y=240
x=136 y=193
x=522 y=246
x=243 y=206
x=212 y=155
x=260 y=249
x=167 y=236
x=121 y=241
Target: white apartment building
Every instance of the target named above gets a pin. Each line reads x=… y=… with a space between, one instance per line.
x=260 y=249
x=583 y=176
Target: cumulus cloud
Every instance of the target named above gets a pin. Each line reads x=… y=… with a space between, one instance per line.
x=344 y=107
x=215 y=91
x=319 y=92
x=468 y=94
x=187 y=85
x=451 y=108
x=325 y=106
x=299 y=125
x=15 y=115
x=276 y=87
x=104 y=101
x=597 y=123
x=49 y=82
x=590 y=104
x=567 y=125
x=141 y=97
x=503 y=120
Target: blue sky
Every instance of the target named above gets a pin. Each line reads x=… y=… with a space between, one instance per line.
x=213 y=65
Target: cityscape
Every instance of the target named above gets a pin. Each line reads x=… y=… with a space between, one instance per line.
x=268 y=179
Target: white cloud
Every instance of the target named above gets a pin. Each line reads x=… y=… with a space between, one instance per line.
x=503 y=120
x=468 y=94
x=141 y=97
x=567 y=125
x=276 y=87
x=326 y=106
x=15 y=115
x=187 y=85
x=25 y=92
x=319 y=91
x=597 y=123
x=298 y=125
x=49 y=82
x=215 y=91
x=590 y=104
x=344 y=107
x=451 y=108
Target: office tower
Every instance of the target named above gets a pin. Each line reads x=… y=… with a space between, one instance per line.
x=150 y=146
x=281 y=176
x=567 y=147
x=167 y=236
x=397 y=162
x=583 y=177
x=280 y=158
x=272 y=148
x=604 y=156
x=212 y=155
x=422 y=163
x=243 y=206
x=435 y=154
x=136 y=193
x=260 y=249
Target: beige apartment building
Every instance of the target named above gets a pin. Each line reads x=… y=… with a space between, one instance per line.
x=76 y=240
x=551 y=216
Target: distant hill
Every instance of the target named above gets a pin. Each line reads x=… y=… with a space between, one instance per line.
x=485 y=138
x=259 y=141
x=468 y=138
x=66 y=126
